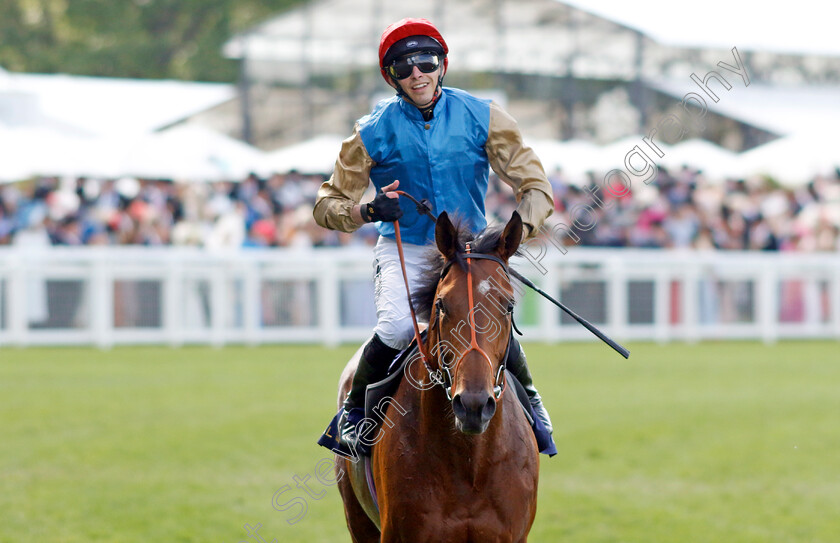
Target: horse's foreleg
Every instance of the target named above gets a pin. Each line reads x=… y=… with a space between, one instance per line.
x=362 y=529
x=390 y=535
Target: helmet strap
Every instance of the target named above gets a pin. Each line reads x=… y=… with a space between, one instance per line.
x=424 y=108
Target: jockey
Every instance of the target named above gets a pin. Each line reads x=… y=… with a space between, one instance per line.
x=435 y=143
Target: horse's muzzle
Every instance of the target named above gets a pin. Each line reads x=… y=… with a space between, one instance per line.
x=473 y=411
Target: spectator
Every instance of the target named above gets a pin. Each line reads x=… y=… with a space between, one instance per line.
x=680 y=211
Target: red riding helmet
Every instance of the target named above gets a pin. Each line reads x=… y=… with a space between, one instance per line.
x=403 y=29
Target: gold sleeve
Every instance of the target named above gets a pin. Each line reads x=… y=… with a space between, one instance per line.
x=345 y=188
x=518 y=166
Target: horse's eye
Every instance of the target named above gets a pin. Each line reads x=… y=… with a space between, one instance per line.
x=439 y=305
x=510 y=305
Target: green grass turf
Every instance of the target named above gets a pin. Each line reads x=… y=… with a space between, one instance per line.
x=717 y=442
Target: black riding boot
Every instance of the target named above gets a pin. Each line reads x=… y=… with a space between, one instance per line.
x=518 y=366
x=373 y=366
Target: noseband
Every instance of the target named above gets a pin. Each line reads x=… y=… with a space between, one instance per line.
x=500 y=382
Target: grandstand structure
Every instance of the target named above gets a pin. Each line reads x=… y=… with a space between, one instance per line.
x=565 y=73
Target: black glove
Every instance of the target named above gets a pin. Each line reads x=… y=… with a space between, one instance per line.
x=382 y=208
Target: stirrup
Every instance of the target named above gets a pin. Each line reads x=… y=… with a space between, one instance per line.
x=348 y=423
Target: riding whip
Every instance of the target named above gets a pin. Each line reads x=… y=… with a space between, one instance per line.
x=424 y=208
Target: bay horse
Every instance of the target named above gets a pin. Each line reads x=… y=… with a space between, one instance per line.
x=460 y=463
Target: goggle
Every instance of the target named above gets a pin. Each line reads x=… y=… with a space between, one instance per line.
x=404 y=67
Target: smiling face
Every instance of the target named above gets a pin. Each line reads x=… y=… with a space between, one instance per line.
x=420 y=87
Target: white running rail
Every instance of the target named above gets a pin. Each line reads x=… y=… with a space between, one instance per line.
x=112 y=296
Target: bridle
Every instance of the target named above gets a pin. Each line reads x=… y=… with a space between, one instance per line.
x=500 y=382
x=441 y=375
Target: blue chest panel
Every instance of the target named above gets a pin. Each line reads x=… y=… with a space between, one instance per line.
x=443 y=160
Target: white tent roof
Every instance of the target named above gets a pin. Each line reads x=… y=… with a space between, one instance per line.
x=781 y=109
x=574 y=157
x=313 y=156
x=98 y=105
x=793 y=160
x=614 y=154
x=715 y=161
x=184 y=153
x=190 y=153
x=39 y=150
x=808 y=27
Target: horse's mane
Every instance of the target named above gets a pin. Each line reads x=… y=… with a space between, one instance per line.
x=485 y=242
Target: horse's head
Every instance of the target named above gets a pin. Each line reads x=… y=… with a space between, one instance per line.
x=471 y=318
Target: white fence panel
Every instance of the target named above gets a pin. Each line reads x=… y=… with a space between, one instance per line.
x=176 y=296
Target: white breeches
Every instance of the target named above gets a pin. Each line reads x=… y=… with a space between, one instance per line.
x=392 y=312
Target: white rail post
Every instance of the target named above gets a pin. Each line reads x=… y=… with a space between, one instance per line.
x=618 y=300
x=813 y=316
x=834 y=303
x=662 y=306
x=102 y=301
x=173 y=302
x=550 y=328
x=18 y=325
x=767 y=303
x=690 y=307
x=219 y=311
x=251 y=302
x=328 y=300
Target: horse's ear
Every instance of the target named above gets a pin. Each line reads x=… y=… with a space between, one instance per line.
x=511 y=237
x=446 y=236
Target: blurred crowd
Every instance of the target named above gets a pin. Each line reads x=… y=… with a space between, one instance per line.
x=680 y=209
x=685 y=210
x=274 y=212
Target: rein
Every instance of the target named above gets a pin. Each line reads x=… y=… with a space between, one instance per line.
x=435 y=375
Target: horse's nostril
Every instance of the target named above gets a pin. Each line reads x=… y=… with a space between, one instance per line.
x=475 y=405
x=489 y=409
x=458 y=407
